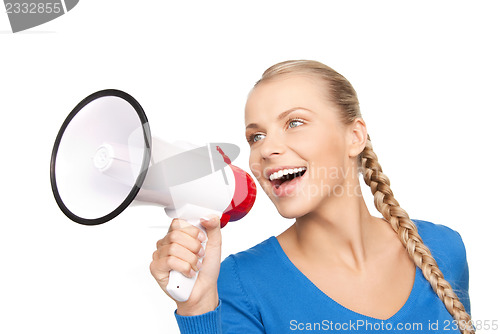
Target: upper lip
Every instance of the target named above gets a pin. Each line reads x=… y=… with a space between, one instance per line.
x=269 y=171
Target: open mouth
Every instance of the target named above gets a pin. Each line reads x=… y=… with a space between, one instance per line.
x=285 y=176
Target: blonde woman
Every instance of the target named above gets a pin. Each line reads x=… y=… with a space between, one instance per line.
x=337 y=268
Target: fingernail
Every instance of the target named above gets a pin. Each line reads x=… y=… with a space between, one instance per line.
x=199 y=265
x=192 y=273
x=201 y=236
x=201 y=253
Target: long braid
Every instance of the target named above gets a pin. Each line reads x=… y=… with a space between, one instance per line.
x=408 y=234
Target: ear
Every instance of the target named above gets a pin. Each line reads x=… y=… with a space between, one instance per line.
x=357 y=137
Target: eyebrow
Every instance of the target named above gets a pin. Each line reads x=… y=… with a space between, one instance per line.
x=280 y=116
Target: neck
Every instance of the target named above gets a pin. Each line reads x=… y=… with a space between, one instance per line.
x=341 y=232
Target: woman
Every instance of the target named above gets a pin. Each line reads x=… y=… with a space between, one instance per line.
x=337 y=268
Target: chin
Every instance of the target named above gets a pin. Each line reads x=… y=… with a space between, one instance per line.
x=291 y=210
x=290 y=215
x=289 y=207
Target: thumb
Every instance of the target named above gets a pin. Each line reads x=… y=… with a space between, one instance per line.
x=212 y=227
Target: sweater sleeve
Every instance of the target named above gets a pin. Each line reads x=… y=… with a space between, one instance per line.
x=239 y=313
x=462 y=284
x=208 y=323
x=235 y=313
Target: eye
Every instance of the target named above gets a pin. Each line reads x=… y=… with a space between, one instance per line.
x=255 y=138
x=293 y=123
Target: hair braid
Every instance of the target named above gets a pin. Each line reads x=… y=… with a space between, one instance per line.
x=408 y=234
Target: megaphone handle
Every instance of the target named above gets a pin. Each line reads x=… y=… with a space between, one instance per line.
x=180 y=286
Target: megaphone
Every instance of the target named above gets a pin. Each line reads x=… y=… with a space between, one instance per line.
x=104 y=160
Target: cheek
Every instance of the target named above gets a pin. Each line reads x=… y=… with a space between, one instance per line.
x=326 y=152
x=254 y=165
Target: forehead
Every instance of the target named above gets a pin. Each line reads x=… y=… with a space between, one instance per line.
x=284 y=93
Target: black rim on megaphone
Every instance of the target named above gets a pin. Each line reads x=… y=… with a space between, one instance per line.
x=145 y=163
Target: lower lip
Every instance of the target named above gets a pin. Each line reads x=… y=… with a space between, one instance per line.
x=287 y=189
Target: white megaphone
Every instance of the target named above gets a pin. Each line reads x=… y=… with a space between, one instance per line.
x=104 y=159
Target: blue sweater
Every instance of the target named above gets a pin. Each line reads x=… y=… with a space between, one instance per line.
x=261 y=291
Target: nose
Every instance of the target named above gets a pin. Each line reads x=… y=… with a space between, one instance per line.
x=272 y=146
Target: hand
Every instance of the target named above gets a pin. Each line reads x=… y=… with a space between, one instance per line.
x=181 y=250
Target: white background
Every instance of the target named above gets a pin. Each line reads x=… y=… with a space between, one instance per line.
x=426 y=72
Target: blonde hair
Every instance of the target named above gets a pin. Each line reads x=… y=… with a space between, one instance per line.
x=341 y=93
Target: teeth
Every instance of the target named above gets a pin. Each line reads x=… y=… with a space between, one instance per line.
x=281 y=173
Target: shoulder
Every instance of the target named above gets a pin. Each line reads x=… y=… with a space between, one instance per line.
x=254 y=270
x=440 y=237
x=252 y=259
x=446 y=247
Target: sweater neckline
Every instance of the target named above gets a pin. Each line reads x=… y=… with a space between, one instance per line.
x=400 y=314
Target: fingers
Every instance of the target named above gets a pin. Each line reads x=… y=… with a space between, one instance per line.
x=176 y=232
x=179 y=224
x=183 y=249
x=180 y=250
x=182 y=253
x=164 y=265
x=190 y=241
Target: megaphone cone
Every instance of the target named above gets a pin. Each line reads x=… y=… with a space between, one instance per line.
x=107 y=126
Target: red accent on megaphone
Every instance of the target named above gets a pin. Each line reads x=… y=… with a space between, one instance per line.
x=224 y=156
x=245 y=192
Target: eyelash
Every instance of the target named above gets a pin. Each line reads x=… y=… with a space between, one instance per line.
x=251 y=138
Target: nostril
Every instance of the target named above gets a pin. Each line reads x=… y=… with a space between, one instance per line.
x=270 y=148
